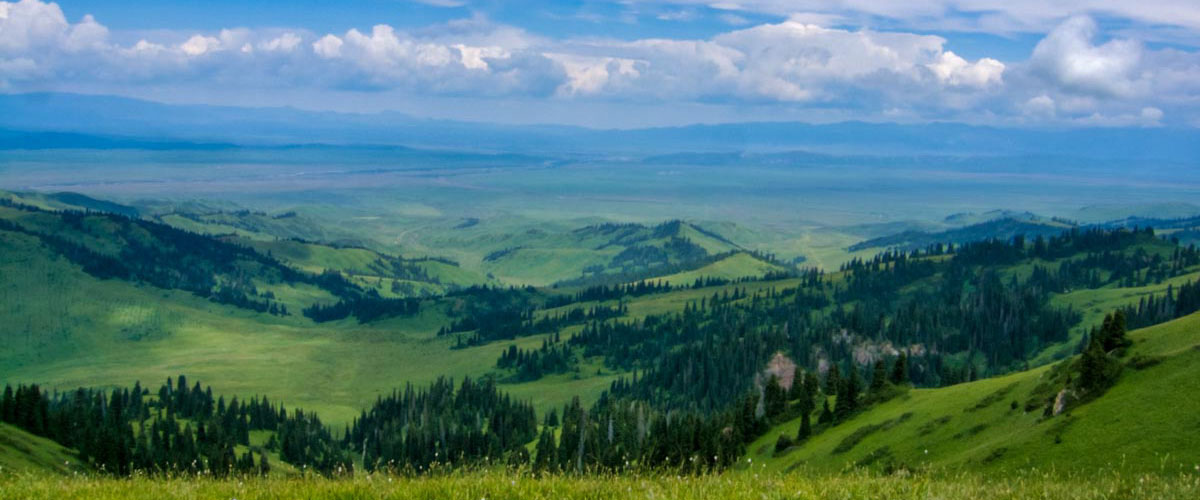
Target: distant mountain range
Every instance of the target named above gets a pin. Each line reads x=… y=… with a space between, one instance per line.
x=49 y=120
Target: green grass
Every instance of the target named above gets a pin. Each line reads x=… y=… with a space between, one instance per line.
x=65 y=329
x=22 y=451
x=1146 y=423
x=1094 y=304
x=500 y=485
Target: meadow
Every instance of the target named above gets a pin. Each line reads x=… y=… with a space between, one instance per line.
x=504 y=485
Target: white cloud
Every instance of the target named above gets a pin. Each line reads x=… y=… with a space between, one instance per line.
x=199 y=45
x=953 y=70
x=286 y=42
x=1040 y=107
x=1067 y=57
x=1074 y=75
x=328 y=47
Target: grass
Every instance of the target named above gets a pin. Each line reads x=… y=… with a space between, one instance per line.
x=65 y=329
x=20 y=450
x=502 y=485
x=1094 y=304
x=1144 y=424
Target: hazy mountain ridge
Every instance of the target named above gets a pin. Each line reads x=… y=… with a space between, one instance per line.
x=146 y=123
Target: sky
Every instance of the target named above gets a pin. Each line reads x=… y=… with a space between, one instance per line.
x=630 y=63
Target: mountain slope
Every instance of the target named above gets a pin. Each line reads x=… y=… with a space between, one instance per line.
x=1145 y=423
x=22 y=451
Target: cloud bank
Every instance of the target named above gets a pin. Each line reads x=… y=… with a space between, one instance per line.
x=1073 y=75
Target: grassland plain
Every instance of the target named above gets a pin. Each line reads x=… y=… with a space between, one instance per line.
x=519 y=485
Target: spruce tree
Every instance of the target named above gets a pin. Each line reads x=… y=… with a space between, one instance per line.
x=8 y=406
x=878 y=377
x=833 y=380
x=805 y=427
x=797 y=388
x=900 y=370
x=775 y=398
x=847 y=400
x=826 y=415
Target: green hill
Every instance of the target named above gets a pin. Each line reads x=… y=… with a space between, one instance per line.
x=389 y=275
x=553 y=253
x=1145 y=423
x=66 y=327
x=22 y=451
x=733 y=267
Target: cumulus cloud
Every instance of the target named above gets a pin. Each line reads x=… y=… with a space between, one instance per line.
x=1073 y=75
x=1068 y=57
x=956 y=71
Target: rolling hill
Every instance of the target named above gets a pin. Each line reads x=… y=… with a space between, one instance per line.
x=1142 y=424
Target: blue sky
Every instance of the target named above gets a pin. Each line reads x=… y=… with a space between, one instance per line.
x=630 y=63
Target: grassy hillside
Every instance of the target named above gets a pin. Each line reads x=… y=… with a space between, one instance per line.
x=1145 y=423
x=68 y=329
x=22 y=451
x=738 y=265
x=390 y=275
x=553 y=252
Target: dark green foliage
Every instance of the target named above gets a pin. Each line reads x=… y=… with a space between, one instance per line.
x=1098 y=370
x=1175 y=303
x=367 y=307
x=783 y=443
x=847 y=399
x=805 y=427
x=879 y=377
x=899 y=374
x=826 y=414
x=776 y=399
x=1112 y=332
x=413 y=429
x=833 y=380
x=101 y=427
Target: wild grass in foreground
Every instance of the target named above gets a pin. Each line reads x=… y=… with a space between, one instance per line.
x=499 y=486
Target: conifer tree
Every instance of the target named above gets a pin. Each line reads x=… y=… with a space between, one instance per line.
x=878 y=377
x=900 y=370
x=847 y=400
x=805 y=427
x=826 y=415
x=833 y=380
